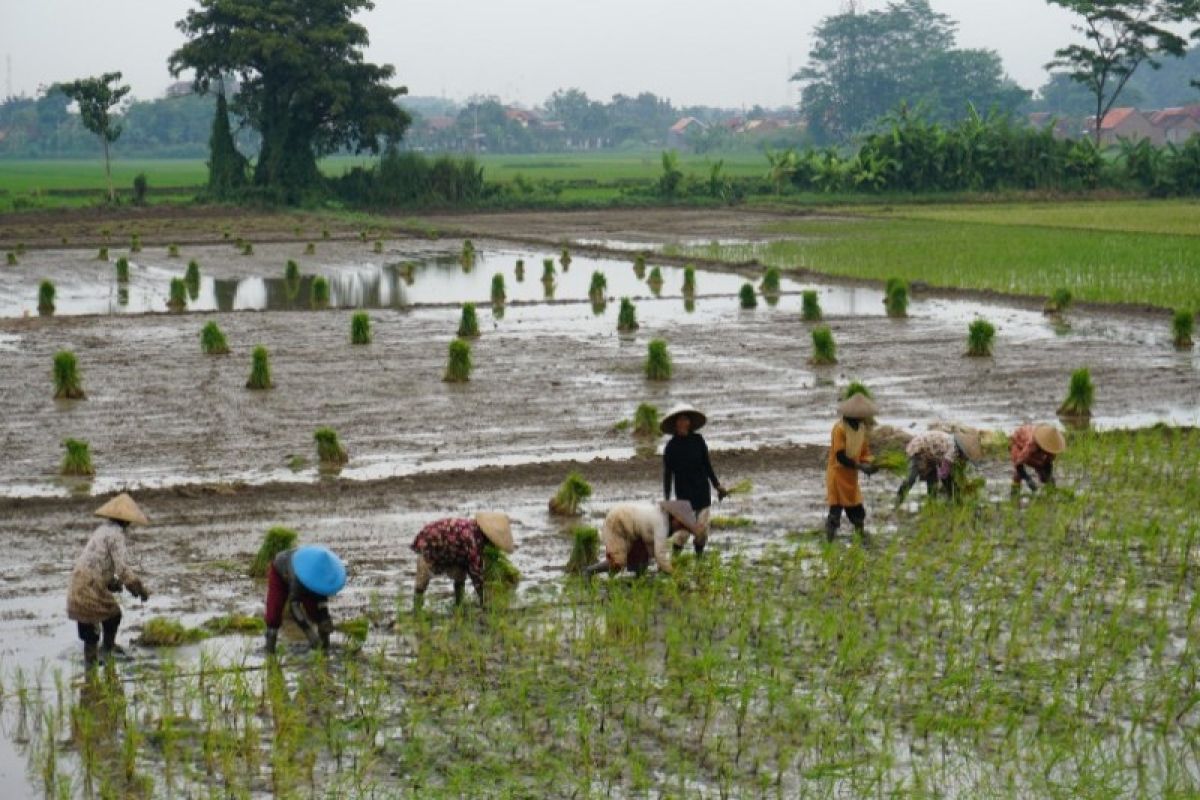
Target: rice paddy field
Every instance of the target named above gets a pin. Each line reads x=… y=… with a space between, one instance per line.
x=1037 y=646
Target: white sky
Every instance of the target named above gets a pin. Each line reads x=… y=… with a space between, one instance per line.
x=710 y=52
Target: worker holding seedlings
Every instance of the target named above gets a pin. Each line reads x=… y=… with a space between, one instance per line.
x=100 y=572
x=302 y=580
x=1034 y=447
x=633 y=532
x=849 y=455
x=455 y=547
x=932 y=456
x=687 y=468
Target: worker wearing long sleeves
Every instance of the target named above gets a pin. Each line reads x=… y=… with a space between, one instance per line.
x=688 y=471
x=633 y=532
x=932 y=456
x=1034 y=447
x=455 y=547
x=849 y=454
x=301 y=581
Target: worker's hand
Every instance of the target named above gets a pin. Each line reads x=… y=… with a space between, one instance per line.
x=722 y=493
x=868 y=469
x=314 y=638
x=114 y=586
x=136 y=588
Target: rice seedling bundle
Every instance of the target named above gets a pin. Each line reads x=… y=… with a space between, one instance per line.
x=274 y=542
x=468 y=323
x=810 y=306
x=1081 y=394
x=260 y=370
x=499 y=294
x=980 y=335
x=458 y=365
x=192 y=278
x=824 y=350
x=747 y=297
x=1183 y=325
x=360 y=328
x=78 y=458
x=658 y=361
x=68 y=383
x=571 y=494
x=212 y=340
x=627 y=316
x=585 y=549
x=598 y=287
x=329 y=450
x=646 y=420
x=320 y=292
x=177 y=301
x=689 y=281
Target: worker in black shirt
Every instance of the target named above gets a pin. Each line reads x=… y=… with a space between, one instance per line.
x=688 y=470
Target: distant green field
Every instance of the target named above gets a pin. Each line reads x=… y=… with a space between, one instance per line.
x=1144 y=216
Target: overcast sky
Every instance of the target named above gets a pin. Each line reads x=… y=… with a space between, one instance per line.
x=710 y=52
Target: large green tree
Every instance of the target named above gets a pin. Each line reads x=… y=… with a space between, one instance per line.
x=96 y=98
x=304 y=84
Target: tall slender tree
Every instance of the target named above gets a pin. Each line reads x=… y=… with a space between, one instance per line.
x=96 y=98
x=226 y=166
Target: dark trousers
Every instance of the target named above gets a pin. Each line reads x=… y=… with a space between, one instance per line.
x=90 y=632
x=856 y=514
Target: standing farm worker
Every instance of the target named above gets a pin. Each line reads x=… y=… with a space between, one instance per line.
x=633 y=532
x=932 y=456
x=849 y=455
x=1034 y=447
x=100 y=572
x=303 y=579
x=688 y=469
x=454 y=547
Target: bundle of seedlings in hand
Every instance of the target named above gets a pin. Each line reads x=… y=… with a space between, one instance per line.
x=499 y=294
x=565 y=260
x=164 y=632
x=68 y=385
x=260 y=369
x=78 y=460
x=360 y=328
x=46 y=294
x=655 y=281
x=135 y=243
x=689 y=281
x=747 y=296
x=1081 y=393
x=329 y=450
x=468 y=323
x=645 y=420
x=468 y=254
x=1183 y=324
x=520 y=270
x=458 y=367
x=498 y=572
x=320 y=292
x=172 y=251
x=310 y=249
x=627 y=316
x=212 y=340
x=378 y=246
x=1058 y=302
x=639 y=268
x=658 y=361
x=770 y=282
x=824 y=350
x=179 y=295
x=599 y=287
x=192 y=278
x=122 y=270
x=895 y=298
x=857 y=387
x=274 y=542
x=10 y=258
x=980 y=335
x=585 y=549
x=570 y=496
x=102 y=255
x=810 y=306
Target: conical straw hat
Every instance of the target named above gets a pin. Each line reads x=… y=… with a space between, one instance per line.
x=857 y=407
x=667 y=425
x=1049 y=439
x=496 y=528
x=968 y=442
x=123 y=509
x=319 y=570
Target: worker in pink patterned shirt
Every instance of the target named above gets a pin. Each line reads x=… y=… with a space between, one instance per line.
x=1034 y=447
x=454 y=547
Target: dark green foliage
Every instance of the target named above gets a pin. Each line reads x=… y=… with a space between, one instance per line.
x=980 y=335
x=212 y=340
x=627 y=317
x=172 y=251
x=360 y=328
x=226 y=166
x=179 y=294
x=747 y=297
x=140 y=187
x=639 y=267
x=499 y=295
x=1058 y=302
x=260 y=370
x=824 y=350
x=810 y=306
x=1183 y=324
x=571 y=494
x=770 y=282
x=46 y=295
x=122 y=270
x=274 y=542
x=468 y=323
x=585 y=549
x=672 y=176
x=499 y=574
x=689 y=281
x=1081 y=393
x=192 y=278
x=599 y=286
x=646 y=420
x=68 y=384
x=96 y=98
x=411 y=179
x=78 y=459
x=320 y=292
x=658 y=361
x=102 y=255
x=458 y=366
x=895 y=298
x=329 y=450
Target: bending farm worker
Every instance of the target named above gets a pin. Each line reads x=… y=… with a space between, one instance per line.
x=849 y=454
x=932 y=456
x=633 y=532
x=455 y=547
x=1034 y=447
x=688 y=469
x=302 y=580
x=100 y=572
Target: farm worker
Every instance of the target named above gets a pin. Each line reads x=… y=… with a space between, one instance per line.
x=849 y=455
x=688 y=469
x=100 y=572
x=1034 y=447
x=302 y=580
x=932 y=456
x=454 y=547
x=633 y=532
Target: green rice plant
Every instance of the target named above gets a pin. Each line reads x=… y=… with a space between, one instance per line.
x=467 y=258
x=565 y=259
x=408 y=271
x=102 y=254
x=585 y=549
x=458 y=365
x=895 y=298
x=360 y=328
x=468 y=322
x=810 y=306
x=730 y=523
x=747 y=297
x=520 y=270
x=499 y=574
x=320 y=292
x=122 y=270
x=329 y=450
x=135 y=243
x=235 y=623
x=291 y=279
x=658 y=361
x=571 y=494
x=655 y=281
x=689 y=281
x=378 y=248
x=1183 y=324
x=599 y=286
x=548 y=271
x=260 y=370
x=824 y=350
x=857 y=387
x=356 y=629
x=172 y=251
x=627 y=316
x=310 y=249
x=499 y=294
x=247 y=249
x=980 y=335
x=274 y=542
x=10 y=258
x=78 y=459
x=212 y=340
x=639 y=267
x=165 y=632
x=646 y=420
x=1058 y=302
x=1081 y=394
x=771 y=281
x=192 y=278
x=46 y=295
x=177 y=301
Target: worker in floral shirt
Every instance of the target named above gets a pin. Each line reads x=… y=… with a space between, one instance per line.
x=1034 y=447
x=454 y=547
x=932 y=456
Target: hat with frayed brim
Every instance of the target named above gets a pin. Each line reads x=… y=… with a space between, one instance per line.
x=970 y=446
x=667 y=425
x=319 y=570
x=123 y=509
x=681 y=511
x=496 y=528
x=857 y=407
x=1050 y=439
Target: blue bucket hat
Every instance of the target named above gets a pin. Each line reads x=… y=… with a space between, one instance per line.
x=319 y=570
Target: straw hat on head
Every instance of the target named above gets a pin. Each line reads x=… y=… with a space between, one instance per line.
x=497 y=529
x=969 y=444
x=857 y=406
x=122 y=509
x=1049 y=439
x=667 y=425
